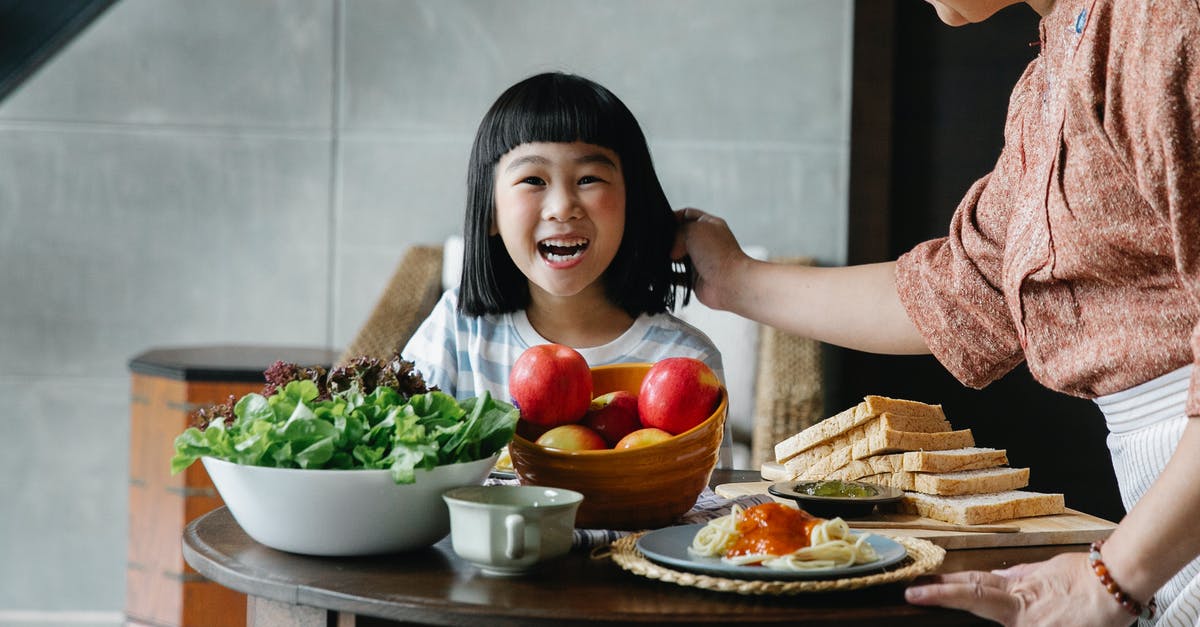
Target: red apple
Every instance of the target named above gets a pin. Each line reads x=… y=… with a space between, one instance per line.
x=677 y=394
x=551 y=385
x=572 y=438
x=613 y=415
x=642 y=437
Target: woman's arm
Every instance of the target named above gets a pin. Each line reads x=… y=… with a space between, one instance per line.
x=1154 y=541
x=856 y=306
x=1158 y=536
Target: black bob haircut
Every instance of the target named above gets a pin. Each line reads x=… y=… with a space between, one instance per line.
x=558 y=107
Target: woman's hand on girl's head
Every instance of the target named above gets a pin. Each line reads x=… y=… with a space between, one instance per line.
x=714 y=252
x=686 y=217
x=1060 y=591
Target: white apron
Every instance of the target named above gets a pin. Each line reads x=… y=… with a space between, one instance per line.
x=1145 y=424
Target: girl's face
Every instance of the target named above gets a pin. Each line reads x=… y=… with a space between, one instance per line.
x=560 y=210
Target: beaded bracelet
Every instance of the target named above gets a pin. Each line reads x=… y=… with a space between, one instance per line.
x=1133 y=607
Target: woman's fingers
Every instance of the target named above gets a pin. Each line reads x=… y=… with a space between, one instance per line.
x=1060 y=591
x=973 y=577
x=702 y=236
x=1019 y=570
x=692 y=214
x=688 y=214
x=679 y=248
x=981 y=593
x=714 y=253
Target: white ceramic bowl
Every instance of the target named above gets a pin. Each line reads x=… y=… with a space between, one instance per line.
x=341 y=512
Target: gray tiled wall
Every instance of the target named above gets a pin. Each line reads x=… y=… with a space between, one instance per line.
x=249 y=172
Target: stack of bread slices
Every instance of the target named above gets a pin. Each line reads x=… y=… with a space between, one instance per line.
x=911 y=446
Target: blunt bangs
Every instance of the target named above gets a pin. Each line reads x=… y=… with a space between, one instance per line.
x=554 y=108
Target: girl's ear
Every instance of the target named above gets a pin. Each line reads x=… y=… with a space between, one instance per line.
x=493 y=230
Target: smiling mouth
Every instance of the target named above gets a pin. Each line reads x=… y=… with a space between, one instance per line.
x=558 y=250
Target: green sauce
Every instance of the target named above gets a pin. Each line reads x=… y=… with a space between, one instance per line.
x=834 y=487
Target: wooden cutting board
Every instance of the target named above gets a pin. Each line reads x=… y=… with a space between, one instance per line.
x=1073 y=527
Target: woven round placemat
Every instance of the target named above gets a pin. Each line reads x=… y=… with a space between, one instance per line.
x=923 y=557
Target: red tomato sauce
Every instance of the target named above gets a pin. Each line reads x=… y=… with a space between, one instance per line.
x=773 y=529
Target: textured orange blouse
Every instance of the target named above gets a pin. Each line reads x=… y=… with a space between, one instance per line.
x=1080 y=252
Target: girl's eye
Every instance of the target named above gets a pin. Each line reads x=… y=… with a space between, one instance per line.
x=533 y=180
x=590 y=179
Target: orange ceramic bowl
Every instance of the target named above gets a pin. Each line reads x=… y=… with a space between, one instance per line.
x=639 y=488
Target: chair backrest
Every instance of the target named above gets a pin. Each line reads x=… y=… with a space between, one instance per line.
x=410 y=295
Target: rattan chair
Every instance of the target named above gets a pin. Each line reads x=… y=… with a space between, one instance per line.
x=410 y=295
x=788 y=384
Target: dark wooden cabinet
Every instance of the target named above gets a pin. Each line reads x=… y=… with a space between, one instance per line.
x=167 y=386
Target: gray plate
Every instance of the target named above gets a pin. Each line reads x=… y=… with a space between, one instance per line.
x=669 y=547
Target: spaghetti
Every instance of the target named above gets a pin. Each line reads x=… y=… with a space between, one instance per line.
x=780 y=537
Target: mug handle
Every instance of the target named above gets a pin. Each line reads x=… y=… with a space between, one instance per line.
x=514 y=524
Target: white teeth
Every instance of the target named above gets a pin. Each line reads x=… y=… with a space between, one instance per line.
x=575 y=241
x=562 y=249
x=554 y=257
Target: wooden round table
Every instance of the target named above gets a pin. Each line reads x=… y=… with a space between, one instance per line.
x=435 y=587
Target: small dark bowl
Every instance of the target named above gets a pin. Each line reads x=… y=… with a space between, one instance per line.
x=837 y=506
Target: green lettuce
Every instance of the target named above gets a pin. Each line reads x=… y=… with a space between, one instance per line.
x=296 y=428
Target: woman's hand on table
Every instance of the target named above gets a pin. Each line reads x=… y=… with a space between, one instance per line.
x=1059 y=591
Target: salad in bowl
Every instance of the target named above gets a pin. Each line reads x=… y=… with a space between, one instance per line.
x=346 y=462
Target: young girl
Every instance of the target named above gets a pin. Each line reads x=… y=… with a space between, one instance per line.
x=567 y=240
x=1078 y=254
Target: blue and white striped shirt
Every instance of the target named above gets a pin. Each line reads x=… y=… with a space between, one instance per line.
x=464 y=355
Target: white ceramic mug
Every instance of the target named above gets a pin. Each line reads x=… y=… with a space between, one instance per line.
x=508 y=529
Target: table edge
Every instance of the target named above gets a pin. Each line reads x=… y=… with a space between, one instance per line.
x=214 y=566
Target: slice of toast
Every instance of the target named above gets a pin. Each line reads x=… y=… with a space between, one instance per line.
x=978 y=509
x=826 y=429
x=981 y=481
x=871 y=407
x=858 y=468
x=877 y=405
x=885 y=441
x=865 y=431
x=952 y=460
x=893 y=441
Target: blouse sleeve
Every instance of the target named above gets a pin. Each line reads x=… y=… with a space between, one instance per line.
x=1153 y=118
x=952 y=291
x=952 y=287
